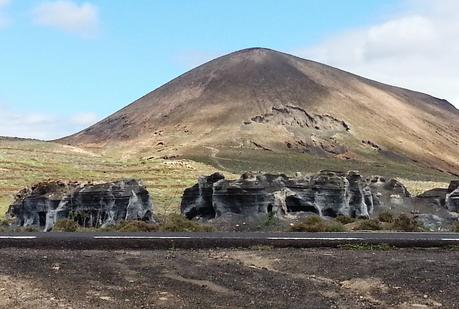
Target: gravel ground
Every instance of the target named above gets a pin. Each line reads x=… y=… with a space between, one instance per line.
x=260 y=277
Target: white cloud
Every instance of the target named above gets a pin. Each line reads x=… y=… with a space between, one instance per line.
x=81 y=19
x=417 y=49
x=42 y=126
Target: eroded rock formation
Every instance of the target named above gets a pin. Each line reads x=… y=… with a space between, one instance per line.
x=91 y=205
x=295 y=116
x=327 y=193
x=452 y=200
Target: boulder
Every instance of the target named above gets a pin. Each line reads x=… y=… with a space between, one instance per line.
x=91 y=205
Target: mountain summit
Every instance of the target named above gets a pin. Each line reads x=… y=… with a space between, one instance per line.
x=264 y=100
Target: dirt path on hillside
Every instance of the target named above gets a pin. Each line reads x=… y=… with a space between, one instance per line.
x=213 y=154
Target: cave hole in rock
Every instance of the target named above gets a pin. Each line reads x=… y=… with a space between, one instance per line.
x=294 y=204
x=270 y=208
x=329 y=212
x=42 y=218
x=207 y=212
x=147 y=216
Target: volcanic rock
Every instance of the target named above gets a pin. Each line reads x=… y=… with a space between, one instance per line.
x=91 y=205
x=197 y=200
x=452 y=200
x=327 y=194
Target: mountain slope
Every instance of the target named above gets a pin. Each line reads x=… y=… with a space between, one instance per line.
x=260 y=99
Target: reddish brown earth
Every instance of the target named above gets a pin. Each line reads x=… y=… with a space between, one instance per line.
x=274 y=102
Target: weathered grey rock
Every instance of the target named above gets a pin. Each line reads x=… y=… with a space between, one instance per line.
x=327 y=193
x=435 y=223
x=453 y=185
x=250 y=195
x=389 y=195
x=91 y=205
x=197 y=200
x=452 y=200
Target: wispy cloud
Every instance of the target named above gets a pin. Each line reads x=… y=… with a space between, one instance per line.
x=68 y=16
x=84 y=119
x=4 y=2
x=4 y=19
x=41 y=125
x=417 y=49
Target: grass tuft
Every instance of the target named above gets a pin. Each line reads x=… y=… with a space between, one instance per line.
x=66 y=225
x=135 y=226
x=404 y=223
x=316 y=224
x=386 y=216
x=369 y=225
x=344 y=219
x=178 y=223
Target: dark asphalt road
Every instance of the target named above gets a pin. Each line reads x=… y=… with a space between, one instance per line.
x=222 y=240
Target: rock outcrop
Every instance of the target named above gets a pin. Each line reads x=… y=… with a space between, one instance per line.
x=91 y=205
x=327 y=193
x=447 y=198
x=452 y=200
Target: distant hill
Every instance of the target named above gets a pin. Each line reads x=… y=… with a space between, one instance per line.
x=257 y=108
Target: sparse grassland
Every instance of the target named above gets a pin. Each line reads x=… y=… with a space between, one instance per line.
x=25 y=162
x=416 y=187
x=416 y=177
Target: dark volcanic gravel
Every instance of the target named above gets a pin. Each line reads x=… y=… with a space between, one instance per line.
x=262 y=277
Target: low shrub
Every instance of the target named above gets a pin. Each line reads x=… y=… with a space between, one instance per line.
x=369 y=225
x=455 y=228
x=404 y=223
x=65 y=226
x=27 y=229
x=344 y=219
x=136 y=226
x=178 y=223
x=386 y=217
x=316 y=224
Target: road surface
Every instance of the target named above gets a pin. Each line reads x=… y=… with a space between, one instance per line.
x=158 y=240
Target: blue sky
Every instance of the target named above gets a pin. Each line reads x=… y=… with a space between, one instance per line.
x=66 y=64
